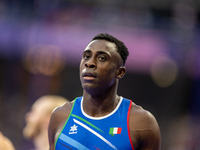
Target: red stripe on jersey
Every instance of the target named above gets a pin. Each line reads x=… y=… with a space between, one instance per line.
x=128 y=124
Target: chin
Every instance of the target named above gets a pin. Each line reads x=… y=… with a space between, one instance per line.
x=89 y=89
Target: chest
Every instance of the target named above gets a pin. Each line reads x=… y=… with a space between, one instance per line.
x=82 y=132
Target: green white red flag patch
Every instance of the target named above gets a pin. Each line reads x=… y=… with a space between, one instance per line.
x=115 y=130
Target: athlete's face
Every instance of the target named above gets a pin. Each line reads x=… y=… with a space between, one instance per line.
x=34 y=120
x=100 y=65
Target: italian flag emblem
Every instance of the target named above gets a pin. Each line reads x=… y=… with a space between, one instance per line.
x=115 y=130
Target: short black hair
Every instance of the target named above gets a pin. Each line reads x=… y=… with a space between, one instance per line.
x=121 y=48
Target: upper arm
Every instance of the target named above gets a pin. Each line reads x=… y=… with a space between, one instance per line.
x=52 y=128
x=145 y=131
x=57 y=120
x=150 y=137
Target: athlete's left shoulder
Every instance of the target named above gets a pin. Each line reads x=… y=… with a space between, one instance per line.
x=144 y=127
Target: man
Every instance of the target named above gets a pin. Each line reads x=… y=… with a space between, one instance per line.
x=37 y=120
x=100 y=119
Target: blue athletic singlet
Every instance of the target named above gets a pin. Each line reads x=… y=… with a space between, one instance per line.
x=83 y=132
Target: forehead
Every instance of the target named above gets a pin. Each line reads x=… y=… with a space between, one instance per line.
x=102 y=45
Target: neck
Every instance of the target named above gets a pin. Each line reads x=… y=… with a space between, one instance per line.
x=41 y=141
x=100 y=105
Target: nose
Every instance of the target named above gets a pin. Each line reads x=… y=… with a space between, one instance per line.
x=90 y=64
x=27 y=116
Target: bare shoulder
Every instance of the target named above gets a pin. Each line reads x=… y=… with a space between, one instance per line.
x=144 y=129
x=60 y=115
x=143 y=118
x=61 y=112
x=57 y=121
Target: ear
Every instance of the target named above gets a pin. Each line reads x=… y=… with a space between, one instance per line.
x=120 y=72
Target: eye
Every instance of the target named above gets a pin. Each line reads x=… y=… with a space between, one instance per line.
x=86 y=56
x=102 y=58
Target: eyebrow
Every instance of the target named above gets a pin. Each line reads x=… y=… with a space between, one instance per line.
x=98 y=52
x=87 y=51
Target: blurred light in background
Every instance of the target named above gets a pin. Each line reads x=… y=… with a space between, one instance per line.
x=164 y=71
x=144 y=47
x=44 y=59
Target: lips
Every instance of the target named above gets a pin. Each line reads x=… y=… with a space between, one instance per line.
x=88 y=75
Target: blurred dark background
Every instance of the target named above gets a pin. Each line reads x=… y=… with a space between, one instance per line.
x=41 y=43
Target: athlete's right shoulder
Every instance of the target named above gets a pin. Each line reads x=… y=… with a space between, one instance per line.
x=62 y=111
x=63 y=107
x=57 y=120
